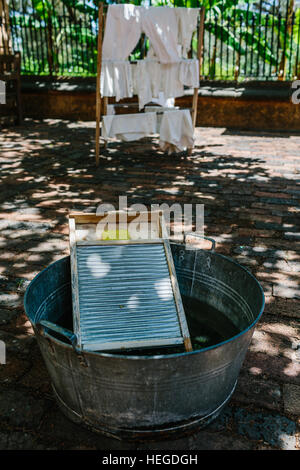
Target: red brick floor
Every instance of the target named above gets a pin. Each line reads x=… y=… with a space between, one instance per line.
x=249 y=184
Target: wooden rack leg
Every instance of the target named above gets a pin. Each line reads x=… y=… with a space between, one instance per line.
x=19 y=99
x=199 y=56
x=105 y=103
x=194 y=114
x=97 y=140
x=98 y=90
x=194 y=105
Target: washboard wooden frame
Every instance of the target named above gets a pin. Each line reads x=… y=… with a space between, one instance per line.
x=83 y=234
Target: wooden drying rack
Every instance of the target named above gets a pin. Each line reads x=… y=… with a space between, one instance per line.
x=101 y=23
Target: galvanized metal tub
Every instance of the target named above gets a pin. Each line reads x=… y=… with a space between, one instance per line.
x=140 y=397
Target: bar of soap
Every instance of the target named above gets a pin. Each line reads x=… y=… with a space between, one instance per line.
x=117 y=234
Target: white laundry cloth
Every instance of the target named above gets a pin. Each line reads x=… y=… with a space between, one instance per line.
x=159 y=110
x=163 y=101
x=142 y=83
x=161 y=27
x=152 y=80
x=110 y=109
x=122 y=31
x=128 y=127
x=176 y=131
x=189 y=72
x=165 y=74
x=116 y=79
x=187 y=23
x=170 y=84
x=147 y=79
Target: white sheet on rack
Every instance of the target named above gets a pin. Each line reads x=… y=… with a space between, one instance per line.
x=160 y=110
x=152 y=80
x=187 y=23
x=166 y=28
x=163 y=101
x=110 y=109
x=170 y=84
x=116 y=79
x=189 y=72
x=122 y=31
x=161 y=26
x=146 y=80
x=128 y=127
x=176 y=131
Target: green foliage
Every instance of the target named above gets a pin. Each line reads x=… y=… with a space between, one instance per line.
x=237 y=25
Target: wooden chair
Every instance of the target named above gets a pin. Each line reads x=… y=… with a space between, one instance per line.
x=10 y=73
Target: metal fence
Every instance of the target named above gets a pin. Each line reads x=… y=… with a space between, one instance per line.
x=242 y=40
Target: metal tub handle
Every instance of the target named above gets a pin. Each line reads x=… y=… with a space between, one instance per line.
x=69 y=335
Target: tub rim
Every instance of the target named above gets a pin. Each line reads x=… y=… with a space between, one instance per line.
x=158 y=356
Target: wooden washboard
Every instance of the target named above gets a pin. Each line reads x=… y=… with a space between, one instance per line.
x=124 y=292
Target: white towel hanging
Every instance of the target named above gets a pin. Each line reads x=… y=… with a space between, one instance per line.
x=176 y=131
x=122 y=31
x=161 y=27
x=116 y=79
x=128 y=127
x=187 y=23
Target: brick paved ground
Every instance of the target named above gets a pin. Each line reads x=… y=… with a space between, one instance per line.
x=249 y=183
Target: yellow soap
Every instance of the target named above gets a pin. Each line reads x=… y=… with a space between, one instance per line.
x=116 y=234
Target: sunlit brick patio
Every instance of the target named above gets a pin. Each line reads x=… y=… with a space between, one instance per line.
x=249 y=184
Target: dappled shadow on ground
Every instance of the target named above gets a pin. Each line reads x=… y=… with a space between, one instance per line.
x=249 y=185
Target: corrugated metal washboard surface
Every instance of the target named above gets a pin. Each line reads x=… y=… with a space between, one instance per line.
x=126 y=298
